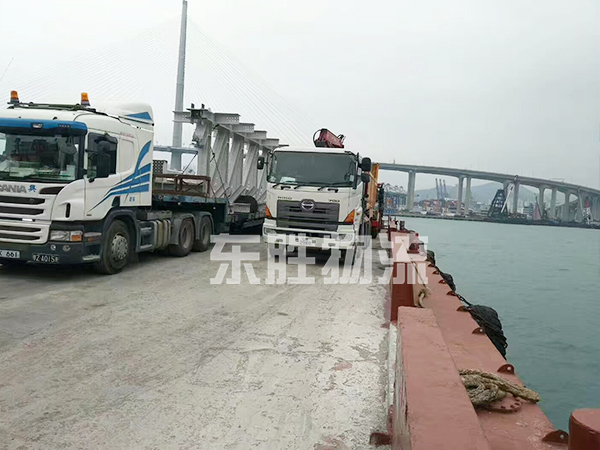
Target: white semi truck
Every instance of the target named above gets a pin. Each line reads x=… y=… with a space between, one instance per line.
x=78 y=185
x=317 y=197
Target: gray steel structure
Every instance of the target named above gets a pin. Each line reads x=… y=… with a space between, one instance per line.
x=228 y=151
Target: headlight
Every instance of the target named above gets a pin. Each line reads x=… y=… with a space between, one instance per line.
x=269 y=231
x=66 y=236
x=344 y=237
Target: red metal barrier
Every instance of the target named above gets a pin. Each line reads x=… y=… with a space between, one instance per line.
x=432 y=410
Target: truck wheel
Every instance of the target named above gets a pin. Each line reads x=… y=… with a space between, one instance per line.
x=374 y=232
x=203 y=242
x=185 y=241
x=116 y=249
x=348 y=255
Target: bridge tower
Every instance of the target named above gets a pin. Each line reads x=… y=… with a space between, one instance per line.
x=177 y=124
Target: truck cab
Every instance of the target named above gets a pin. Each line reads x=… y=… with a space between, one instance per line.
x=316 y=198
x=76 y=186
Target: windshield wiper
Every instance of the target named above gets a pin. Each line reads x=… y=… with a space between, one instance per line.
x=299 y=185
x=332 y=185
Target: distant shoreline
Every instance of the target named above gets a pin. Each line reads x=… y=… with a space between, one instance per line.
x=510 y=221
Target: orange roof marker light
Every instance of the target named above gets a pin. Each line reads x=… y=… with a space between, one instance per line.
x=14 y=97
x=85 y=100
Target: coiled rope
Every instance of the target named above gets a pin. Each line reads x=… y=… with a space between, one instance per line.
x=484 y=388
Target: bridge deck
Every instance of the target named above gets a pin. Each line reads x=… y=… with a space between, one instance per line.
x=157 y=357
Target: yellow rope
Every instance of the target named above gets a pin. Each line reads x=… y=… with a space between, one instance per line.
x=485 y=387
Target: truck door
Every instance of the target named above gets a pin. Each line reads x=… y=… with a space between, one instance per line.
x=127 y=168
x=102 y=178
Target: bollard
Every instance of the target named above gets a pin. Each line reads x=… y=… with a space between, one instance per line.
x=414 y=243
x=584 y=429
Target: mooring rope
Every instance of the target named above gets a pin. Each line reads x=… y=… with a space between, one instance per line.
x=485 y=387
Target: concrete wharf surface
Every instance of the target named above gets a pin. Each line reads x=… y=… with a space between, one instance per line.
x=158 y=358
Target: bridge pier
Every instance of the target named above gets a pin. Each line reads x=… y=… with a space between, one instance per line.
x=579 y=213
x=459 y=196
x=596 y=209
x=553 y=204
x=468 y=197
x=515 y=198
x=542 y=191
x=410 y=200
x=567 y=207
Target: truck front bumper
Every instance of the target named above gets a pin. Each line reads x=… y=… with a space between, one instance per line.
x=51 y=252
x=313 y=239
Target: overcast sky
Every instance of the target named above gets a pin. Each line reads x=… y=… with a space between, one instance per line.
x=511 y=86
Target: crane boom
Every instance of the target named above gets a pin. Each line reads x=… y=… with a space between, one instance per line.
x=327 y=139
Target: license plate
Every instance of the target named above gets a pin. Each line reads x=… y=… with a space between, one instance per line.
x=10 y=254
x=306 y=241
x=48 y=259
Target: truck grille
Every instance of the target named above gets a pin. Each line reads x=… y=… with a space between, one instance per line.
x=20 y=232
x=324 y=216
x=13 y=229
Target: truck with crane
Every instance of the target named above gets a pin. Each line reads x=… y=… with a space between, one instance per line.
x=79 y=185
x=320 y=198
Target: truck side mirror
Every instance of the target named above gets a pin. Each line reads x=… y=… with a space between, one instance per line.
x=365 y=177
x=260 y=164
x=365 y=164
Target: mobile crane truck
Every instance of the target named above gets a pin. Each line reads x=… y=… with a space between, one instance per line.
x=77 y=185
x=318 y=198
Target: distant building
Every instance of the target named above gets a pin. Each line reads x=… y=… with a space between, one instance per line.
x=395 y=199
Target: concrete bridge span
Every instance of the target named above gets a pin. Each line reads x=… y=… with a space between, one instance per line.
x=583 y=194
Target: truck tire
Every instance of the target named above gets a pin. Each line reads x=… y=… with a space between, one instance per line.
x=203 y=242
x=116 y=249
x=185 y=240
x=348 y=255
x=374 y=232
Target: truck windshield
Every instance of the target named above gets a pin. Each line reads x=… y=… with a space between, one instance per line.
x=47 y=158
x=313 y=169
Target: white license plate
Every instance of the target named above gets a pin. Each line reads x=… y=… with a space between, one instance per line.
x=48 y=259
x=10 y=254
x=306 y=241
